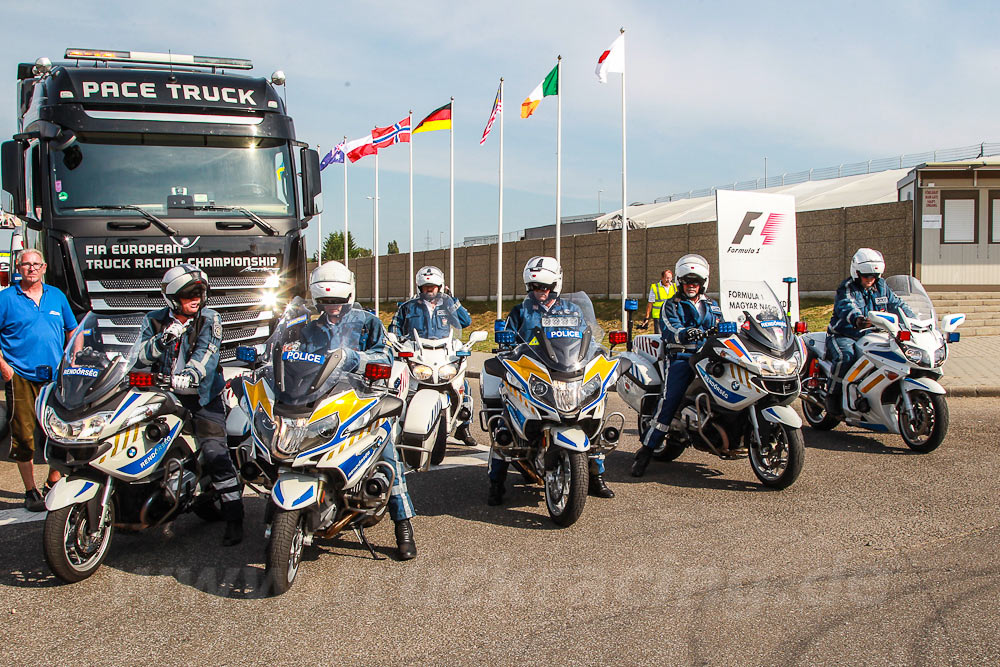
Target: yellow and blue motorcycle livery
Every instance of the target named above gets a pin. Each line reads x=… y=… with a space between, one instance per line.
x=321 y=426
x=121 y=440
x=553 y=392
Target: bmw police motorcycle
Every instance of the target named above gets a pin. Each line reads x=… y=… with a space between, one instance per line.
x=739 y=403
x=894 y=385
x=553 y=395
x=123 y=443
x=438 y=402
x=321 y=430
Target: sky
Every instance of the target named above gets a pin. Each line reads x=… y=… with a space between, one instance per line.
x=712 y=89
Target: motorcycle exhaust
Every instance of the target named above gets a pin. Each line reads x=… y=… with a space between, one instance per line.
x=812 y=400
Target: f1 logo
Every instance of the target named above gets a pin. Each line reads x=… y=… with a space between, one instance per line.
x=745 y=227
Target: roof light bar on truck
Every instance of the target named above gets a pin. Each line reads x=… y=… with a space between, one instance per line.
x=157 y=58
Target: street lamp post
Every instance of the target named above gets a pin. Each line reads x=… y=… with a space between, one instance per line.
x=599 y=211
x=375 y=246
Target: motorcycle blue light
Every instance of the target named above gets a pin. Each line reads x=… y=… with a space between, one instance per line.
x=499 y=325
x=631 y=305
x=246 y=353
x=727 y=327
x=504 y=337
x=954 y=337
x=463 y=353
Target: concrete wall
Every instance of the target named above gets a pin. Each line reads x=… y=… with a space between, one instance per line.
x=592 y=262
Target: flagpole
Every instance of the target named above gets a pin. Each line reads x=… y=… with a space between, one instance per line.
x=375 y=250
x=624 y=200
x=558 y=155
x=345 y=199
x=409 y=117
x=500 y=216
x=451 y=198
x=319 y=230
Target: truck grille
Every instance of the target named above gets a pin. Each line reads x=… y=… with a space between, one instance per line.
x=151 y=285
x=146 y=303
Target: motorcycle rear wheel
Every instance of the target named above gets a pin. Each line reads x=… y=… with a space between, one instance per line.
x=927 y=431
x=284 y=550
x=818 y=417
x=72 y=551
x=440 y=440
x=566 y=486
x=778 y=463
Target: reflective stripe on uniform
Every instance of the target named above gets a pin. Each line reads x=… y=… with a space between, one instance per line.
x=662 y=292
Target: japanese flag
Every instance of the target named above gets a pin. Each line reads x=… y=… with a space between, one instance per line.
x=612 y=60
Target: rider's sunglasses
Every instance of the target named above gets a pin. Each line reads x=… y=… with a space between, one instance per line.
x=192 y=292
x=540 y=286
x=691 y=280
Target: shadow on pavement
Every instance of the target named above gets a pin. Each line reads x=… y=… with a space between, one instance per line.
x=854 y=440
x=23 y=563
x=680 y=473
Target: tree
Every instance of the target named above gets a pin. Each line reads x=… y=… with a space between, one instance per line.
x=393 y=248
x=334 y=247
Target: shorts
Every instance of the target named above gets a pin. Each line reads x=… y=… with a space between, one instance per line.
x=22 y=418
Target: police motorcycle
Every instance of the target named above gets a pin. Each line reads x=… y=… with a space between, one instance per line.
x=553 y=394
x=323 y=429
x=894 y=385
x=438 y=402
x=739 y=403
x=123 y=443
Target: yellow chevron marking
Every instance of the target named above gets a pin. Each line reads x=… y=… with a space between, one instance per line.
x=601 y=366
x=344 y=405
x=257 y=396
x=526 y=366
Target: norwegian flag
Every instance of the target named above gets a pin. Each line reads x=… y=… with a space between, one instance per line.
x=497 y=108
x=383 y=137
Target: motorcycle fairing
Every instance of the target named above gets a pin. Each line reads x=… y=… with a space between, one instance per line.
x=924 y=384
x=782 y=414
x=353 y=460
x=132 y=456
x=294 y=491
x=71 y=490
x=728 y=389
x=570 y=437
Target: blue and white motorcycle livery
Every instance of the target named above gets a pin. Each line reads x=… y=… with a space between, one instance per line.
x=894 y=385
x=321 y=428
x=739 y=403
x=120 y=439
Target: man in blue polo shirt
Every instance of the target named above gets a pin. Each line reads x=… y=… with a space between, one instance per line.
x=35 y=322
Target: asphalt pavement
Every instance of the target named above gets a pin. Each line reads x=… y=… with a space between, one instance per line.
x=876 y=555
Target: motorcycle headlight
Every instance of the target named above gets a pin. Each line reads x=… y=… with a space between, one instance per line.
x=143 y=413
x=591 y=389
x=540 y=389
x=448 y=373
x=916 y=356
x=567 y=394
x=940 y=355
x=83 y=430
x=771 y=366
x=325 y=428
x=421 y=372
x=290 y=435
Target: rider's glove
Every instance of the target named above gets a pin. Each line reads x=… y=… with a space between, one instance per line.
x=693 y=335
x=184 y=382
x=173 y=332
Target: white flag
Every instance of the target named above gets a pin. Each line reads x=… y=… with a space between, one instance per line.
x=612 y=60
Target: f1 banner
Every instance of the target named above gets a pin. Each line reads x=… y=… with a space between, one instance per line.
x=757 y=241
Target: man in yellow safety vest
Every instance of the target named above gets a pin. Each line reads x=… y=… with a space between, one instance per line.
x=659 y=292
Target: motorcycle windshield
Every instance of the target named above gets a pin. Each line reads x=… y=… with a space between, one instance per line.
x=306 y=352
x=758 y=312
x=438 y=324
x=912 y=293
x=564 y=334
x=97 y=358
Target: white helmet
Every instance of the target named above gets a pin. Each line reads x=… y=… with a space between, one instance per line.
x=692 y=265
x=183 y=281
x=543 y=270
x=430 y=275
x=867 y=260
x=332 y=283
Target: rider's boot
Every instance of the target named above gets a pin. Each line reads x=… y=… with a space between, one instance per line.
x=834 y=404
x=405 y=545
x=463 y=433
x=641 y=460
x=598 y=487
x=233 y=513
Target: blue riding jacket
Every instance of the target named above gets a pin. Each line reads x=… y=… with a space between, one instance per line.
x=435 y=322
x=680 y=314
x=853 y=301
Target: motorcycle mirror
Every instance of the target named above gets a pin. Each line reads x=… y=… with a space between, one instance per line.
x=477 y=337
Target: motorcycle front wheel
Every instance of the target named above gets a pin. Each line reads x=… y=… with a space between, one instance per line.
x=284 y=549
x=778 y=461
x=73 y=550
x=440 y=440
x=926 y=431
x=566 y=486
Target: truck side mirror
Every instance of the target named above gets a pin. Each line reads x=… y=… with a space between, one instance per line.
x=312 y=188
x=12 y=167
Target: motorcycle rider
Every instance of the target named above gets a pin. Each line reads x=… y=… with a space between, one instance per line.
x=685 y=319
x=543 y=282
x=432 y=313
x=362 y=337
x=865 y=290
x=183 y=341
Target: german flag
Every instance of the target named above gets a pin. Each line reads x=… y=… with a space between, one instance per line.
x=439 y=119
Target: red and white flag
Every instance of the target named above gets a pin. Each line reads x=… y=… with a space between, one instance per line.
x=497 y=104
x=383 y=137
x=612 y=60
x=358 y=148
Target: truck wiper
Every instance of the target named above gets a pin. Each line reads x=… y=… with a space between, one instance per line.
x=162 y=226
x=245 y=211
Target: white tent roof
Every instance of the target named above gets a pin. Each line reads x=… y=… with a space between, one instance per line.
x=877 y=188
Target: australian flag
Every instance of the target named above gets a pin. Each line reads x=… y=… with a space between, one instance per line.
x=383 y=137
x=336 y=154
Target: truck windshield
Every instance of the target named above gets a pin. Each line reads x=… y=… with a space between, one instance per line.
x=173 y=175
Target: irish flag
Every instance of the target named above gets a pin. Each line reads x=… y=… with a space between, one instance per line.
x=549 y=86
